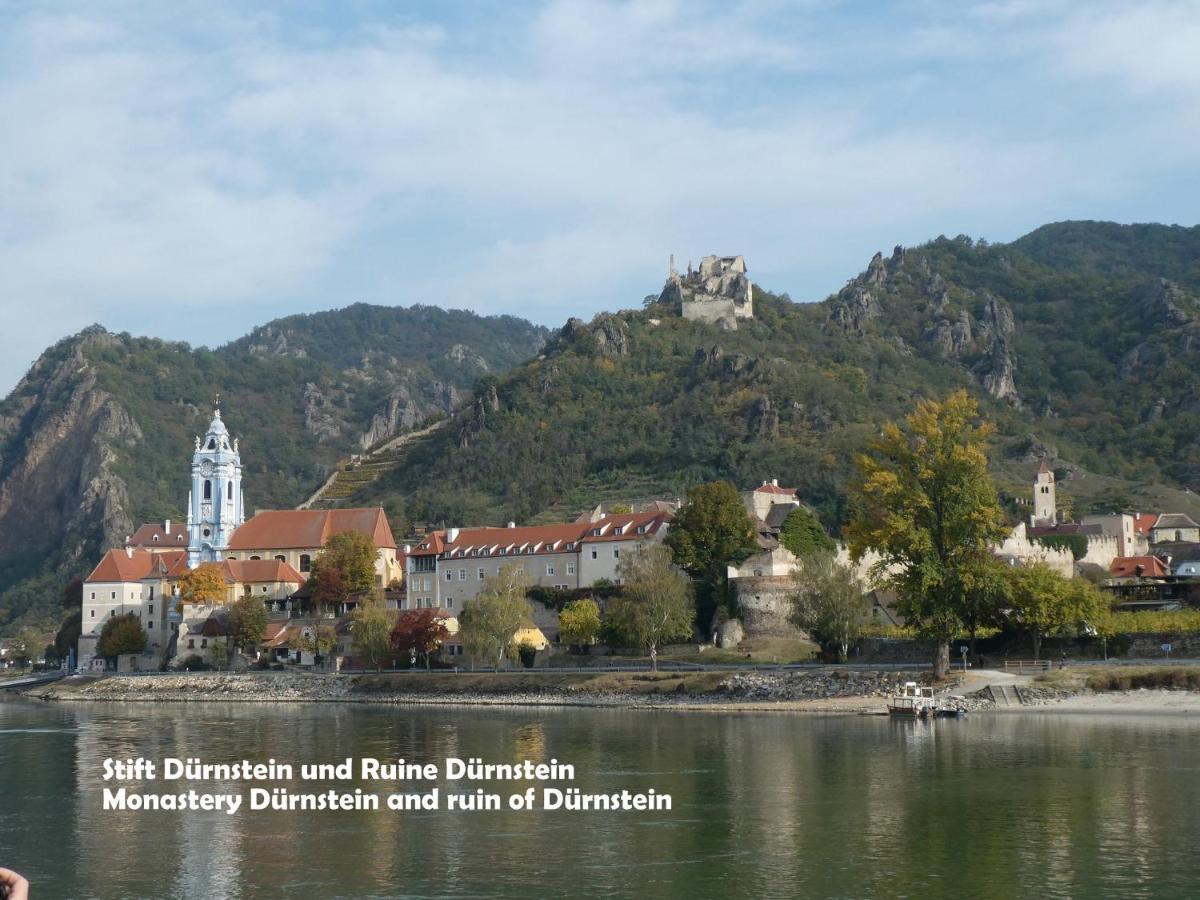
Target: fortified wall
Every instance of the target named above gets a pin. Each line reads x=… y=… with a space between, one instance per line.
x=719 y=292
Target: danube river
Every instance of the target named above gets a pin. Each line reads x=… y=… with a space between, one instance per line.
x=762 y=805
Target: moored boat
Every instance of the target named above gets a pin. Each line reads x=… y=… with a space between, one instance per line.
x=912 y=701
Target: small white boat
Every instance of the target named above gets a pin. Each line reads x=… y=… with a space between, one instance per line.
x=912 y=701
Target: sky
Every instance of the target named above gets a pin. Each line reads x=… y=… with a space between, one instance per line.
x=191 y=170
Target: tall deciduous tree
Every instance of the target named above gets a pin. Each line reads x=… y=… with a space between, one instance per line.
x=710 y=532
x=802 y=533
x=371 y=629
x=1044 y=602
x=345 y=566
x=204 y=585
x=420 y=632
x=927 y=506
x=655 y=605
x=579 y=622
x=121 y=635
x=830 y=603
x=489 y=621
x=247 y=621
x=320 y=641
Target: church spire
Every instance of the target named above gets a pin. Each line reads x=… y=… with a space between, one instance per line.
x=215 y=506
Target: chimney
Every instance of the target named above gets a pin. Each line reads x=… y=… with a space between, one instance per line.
x=774 y=482
x=129 y=552
x=511 y=525
x=167 y=526
x=407 y=548
x=451 y=535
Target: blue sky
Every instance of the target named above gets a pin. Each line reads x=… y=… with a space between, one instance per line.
x=190 y=170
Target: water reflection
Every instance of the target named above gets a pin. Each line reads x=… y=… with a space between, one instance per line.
x=764 y=805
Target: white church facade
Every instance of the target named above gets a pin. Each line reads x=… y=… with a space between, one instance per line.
x=267 y=557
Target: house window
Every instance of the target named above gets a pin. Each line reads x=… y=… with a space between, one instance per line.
x=429 y=584
x=462 y=574
x=256 y=557
x=1179 y=535
x=549 y=570
x=481 y=574
x=203 y=642
x=595 y=553
x=191 y=643
x=617 y=581
x=155 y=539
x=280 y=558
x=93 y=614
x=150 y=624
x=641 y=529
x=450 y=604
x=114 y=595
x=305 y=562
x=620 y=529
x=151 y=611
x=616 y=552
x=152 y=596
x=93 y=595
x=570 y=568
x=449 y=575
x=207 y=490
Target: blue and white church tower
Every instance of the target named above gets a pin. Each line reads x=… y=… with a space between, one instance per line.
x=215 y=506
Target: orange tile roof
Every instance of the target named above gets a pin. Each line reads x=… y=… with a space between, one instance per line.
x=136 y=564
x=538 y=539
x=156 y=534
x=1143 y=522
x=1129 y=566
x=767 y=488
x=253 y=571
x=309 y=529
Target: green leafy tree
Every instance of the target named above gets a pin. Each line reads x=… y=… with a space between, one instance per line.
x=67 y=637
x=121 y=635
x=345 y=566
x=710 y=532
x=320 y=641
x=830 y=603
x=802 y=534
x=927 y=506
x=1045 y=602
x=247 y=621
x=489 y=621
x=204 y=585
x=579 y=622
x=655 y=605
x=371 y=629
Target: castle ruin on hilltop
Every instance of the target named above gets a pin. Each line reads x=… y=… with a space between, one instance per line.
x=719 y=293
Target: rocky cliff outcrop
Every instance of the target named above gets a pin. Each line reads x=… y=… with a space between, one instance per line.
x=59 y=439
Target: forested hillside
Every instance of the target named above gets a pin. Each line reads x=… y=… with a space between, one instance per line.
x=1079 y=357
x=98 y=436
x=1082 y=340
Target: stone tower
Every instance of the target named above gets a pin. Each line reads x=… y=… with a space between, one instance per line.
x=1045 y=507
x=215 y=506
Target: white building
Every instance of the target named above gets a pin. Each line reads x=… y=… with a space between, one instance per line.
x=448 y=568
x=215 y=502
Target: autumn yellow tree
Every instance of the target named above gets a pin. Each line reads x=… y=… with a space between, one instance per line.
x=203 y=585
x=927 y=507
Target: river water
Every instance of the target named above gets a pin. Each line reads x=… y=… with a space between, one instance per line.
x=763 y=805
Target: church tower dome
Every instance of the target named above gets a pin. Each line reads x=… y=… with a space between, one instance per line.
x=215 y=503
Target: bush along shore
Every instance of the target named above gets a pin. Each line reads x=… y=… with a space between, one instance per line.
x=617 y=689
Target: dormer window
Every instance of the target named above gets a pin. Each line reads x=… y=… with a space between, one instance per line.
x=155 y=538
x=641 y=529
x=596 y=532
x=620 y=529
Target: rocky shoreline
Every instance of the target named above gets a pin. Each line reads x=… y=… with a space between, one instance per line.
x=610 y=690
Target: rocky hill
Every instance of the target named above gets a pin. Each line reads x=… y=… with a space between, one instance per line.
x=1079 y=357
x=97 y=436
x=1081 y=339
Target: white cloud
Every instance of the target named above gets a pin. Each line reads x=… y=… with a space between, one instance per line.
x=543 y=163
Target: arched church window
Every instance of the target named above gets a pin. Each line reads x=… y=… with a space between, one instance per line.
x=229 y=491
x=212 y=443
x=281 y=558
x=207 y=489
x=304 y=562
x=256 y=557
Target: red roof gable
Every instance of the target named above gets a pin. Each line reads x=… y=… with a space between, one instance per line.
x=253 y=571
x=767 y=488
x=136 y=564
x=158 y=534
x=301 y=529
x=1138 y=567
x=1143 y=522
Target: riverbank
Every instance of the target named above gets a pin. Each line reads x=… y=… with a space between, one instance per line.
x=823 y=690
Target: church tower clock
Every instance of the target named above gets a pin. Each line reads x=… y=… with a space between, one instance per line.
x=215 y=500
